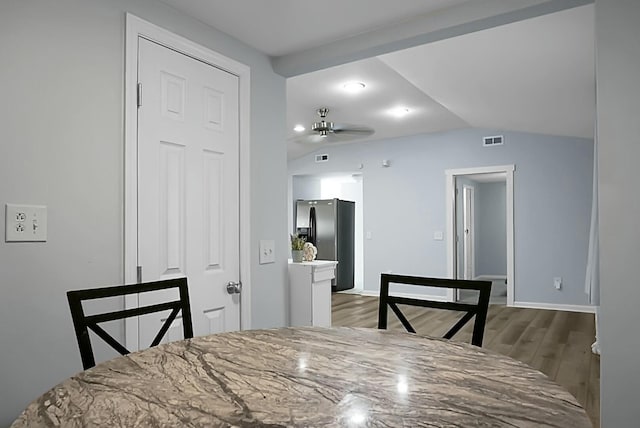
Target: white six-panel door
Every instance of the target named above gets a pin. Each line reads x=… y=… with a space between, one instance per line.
x=188 y=186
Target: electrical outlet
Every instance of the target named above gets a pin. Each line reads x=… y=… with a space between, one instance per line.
x=25 y=223
x=557 y=282
x=267 y=251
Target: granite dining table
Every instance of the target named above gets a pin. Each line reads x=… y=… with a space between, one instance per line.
x=308 y=377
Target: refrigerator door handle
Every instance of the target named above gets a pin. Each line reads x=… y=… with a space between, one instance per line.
x=312 y=225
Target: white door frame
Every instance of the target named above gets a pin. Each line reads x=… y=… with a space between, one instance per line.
x=468 y=212
x=450 y=203
x=135 y=28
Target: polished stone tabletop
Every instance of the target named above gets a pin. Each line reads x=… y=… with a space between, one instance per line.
x=309 y=377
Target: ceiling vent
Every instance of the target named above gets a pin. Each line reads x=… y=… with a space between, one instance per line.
x=496 y=140
x=322 y=158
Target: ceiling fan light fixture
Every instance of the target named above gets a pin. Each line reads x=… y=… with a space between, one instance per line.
x=322 y=126
x=354 y=87
x=299 y=128
x=328 y=132
x=399 y=112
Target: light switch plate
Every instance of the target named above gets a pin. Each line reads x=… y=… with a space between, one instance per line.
x=267 y=251
x=24 y=223
x=438 y=235
x=557 y=282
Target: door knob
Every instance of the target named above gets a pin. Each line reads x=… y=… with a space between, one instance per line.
x=234 y=287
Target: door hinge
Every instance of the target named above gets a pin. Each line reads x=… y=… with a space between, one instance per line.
x=139 y=274
x=139 y=94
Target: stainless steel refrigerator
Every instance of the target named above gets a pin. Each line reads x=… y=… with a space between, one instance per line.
x=329 y=224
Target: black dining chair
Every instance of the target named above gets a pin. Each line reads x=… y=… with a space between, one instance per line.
x=479 y=309
x=82 y=323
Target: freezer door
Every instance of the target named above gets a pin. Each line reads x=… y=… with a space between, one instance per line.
x=326 y=229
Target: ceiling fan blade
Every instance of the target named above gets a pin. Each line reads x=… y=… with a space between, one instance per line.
x=311 y=138
x=352 y=129
x=334 y=133
x=353 y=133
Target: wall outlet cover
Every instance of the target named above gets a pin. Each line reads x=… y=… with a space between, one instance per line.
x=25 y=223
x=267 y=251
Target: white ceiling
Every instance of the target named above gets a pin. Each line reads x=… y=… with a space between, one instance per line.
x=532 y=75
x=281 y=27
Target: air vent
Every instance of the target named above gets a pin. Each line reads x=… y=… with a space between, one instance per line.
x=496 y=140
x=322 y=158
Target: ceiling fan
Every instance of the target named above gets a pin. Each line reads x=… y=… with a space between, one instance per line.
x=330 y=132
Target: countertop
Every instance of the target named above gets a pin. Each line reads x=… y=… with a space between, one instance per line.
x=310 y=377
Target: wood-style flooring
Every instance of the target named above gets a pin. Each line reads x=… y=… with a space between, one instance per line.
x=555 y=342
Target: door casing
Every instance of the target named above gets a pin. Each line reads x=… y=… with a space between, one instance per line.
x=450 y=204
x=469 y=231
x=135 y=28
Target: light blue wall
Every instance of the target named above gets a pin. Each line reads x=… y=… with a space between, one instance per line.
x=491 y=229
x=405 y=203
x=61 y=144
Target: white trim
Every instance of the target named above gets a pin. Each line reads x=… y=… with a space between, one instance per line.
x=481 y=170
x=374 y=293
x=450 y=203
x=471 y=237
x=490 y=277
x=135 y=28
x=556 y=307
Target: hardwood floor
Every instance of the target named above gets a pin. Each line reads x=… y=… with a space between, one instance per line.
x=556 y=343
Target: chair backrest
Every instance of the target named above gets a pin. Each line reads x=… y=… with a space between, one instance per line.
x=479 y=309
x=82 y=323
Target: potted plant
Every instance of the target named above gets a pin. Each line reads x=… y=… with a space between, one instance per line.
x=297 y=247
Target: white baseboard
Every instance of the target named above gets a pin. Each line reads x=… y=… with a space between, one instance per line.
x=351 y=291
x=490 y=277
x=556 y=307
x=407 y=295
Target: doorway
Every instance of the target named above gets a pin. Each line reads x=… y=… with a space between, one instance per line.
x=480 y=229
x=186 y=177
x=345 y=185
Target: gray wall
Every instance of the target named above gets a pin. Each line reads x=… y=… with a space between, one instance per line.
x=61 y=144
x=618 y=68
x=491 y=229
x=404 y=204
x=307 y=187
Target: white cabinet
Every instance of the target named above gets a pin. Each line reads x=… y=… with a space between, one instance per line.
x=310 y=292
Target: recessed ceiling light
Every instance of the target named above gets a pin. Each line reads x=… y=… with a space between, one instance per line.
x=399 y=111
x=354 y=87
x=299 y=128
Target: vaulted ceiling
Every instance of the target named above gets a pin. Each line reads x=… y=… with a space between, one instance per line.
x=531 y=75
